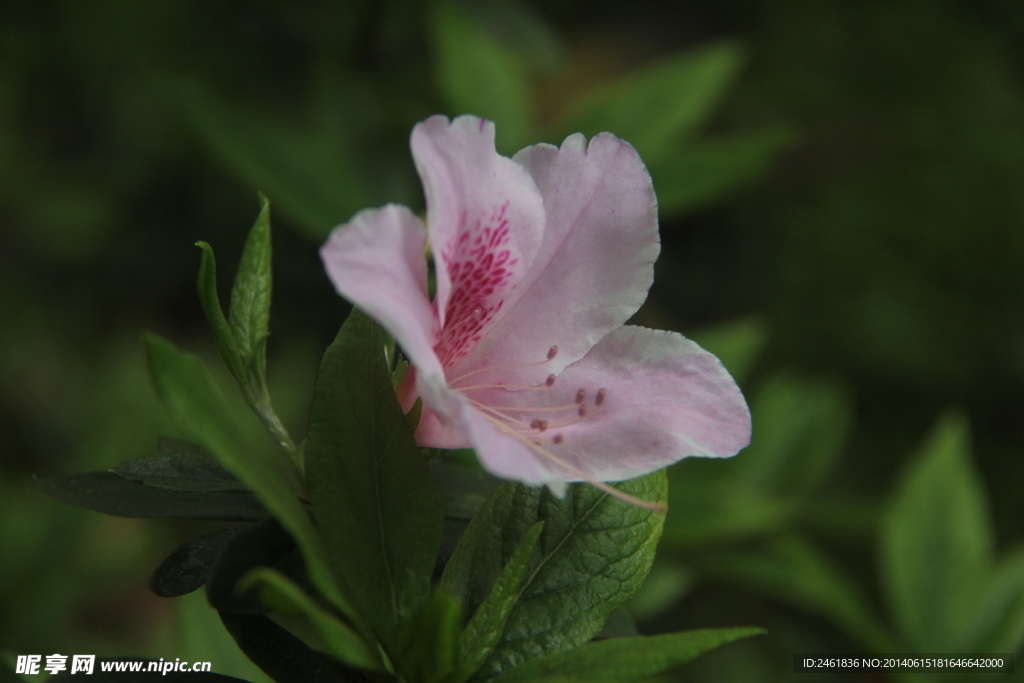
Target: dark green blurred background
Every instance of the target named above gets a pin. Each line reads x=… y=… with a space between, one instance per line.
x=842 y=213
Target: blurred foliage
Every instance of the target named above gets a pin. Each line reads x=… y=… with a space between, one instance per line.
x=842 y=220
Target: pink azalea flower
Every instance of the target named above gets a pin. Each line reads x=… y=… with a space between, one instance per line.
x=523 y=354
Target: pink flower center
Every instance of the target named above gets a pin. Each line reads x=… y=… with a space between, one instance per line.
x=530 y=422
x=480 y=264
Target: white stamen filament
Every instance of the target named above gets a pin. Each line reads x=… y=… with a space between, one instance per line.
x=552 y=352
x=572 y=469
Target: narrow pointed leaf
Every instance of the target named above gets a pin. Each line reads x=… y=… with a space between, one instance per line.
x=222 y=334
x=376 y=503
x=485 y=628
x=619 y=660
x=114 y=495
x=339 y=639
x=593 y=554
x=249 y=316
x=188 y=567
x=193 y=401
x=428 y=639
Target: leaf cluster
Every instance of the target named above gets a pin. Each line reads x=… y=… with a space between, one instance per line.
x=360 y=556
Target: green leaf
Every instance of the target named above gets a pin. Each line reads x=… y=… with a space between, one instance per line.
x=249 y=316
x=594 y=553
x=376 y=503
x=694 y=174
x=114 y=495
x=478 y=74
x=428 y=639
x=488 y=623
x=659 y=105
x=193 y=401
x=618 y=660
x=242 y=339
x=936 y=544
x=188 y=567
x=179 y=471
x=206 y=284
x=339 y=640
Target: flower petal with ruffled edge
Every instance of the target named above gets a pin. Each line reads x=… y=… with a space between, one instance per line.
x=539 y=259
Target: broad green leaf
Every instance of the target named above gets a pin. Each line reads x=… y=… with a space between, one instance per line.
x=488 y=623
x=693 y=174
x=657 y=106
x=249 y=315
x=619 y=660
x=428 y=639
x=188 y=567
x=339 y=639
x=114 y=495
x=936 y=543
x=792 y=569
x=593 y=554
x=193 y=401
x=179 y=471
x=376 y=503
x=478 y=74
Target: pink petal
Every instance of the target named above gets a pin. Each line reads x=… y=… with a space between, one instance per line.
x=377 y=262
x=485 y=217
x=664 y=399
x=594 y=266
